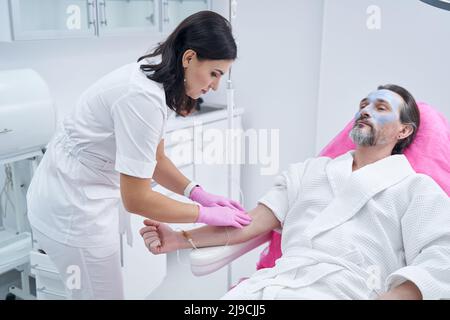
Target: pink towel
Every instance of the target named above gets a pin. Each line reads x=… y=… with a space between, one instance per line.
x=428 y=154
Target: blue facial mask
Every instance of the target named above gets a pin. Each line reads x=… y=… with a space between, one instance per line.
x=378 y=117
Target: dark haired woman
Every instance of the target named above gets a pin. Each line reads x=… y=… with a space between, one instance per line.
x=111 y=146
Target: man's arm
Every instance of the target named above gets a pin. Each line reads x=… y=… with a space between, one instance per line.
x=160 y=238
x=426 y=244
x=406 y=291
x=263 y=220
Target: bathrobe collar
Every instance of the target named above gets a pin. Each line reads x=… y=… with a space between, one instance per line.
x=352 y=190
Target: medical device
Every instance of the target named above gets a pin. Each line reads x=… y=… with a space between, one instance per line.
x=441 y=4
x=232 y=6
x=27 y=121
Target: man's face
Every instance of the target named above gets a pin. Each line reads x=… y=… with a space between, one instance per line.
x=378 y=119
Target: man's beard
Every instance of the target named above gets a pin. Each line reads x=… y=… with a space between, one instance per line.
x=362 y=138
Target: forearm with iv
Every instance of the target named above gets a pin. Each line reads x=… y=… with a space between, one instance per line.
x=263 y=220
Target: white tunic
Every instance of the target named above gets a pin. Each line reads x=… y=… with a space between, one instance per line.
x=353 y=235
x=115 y=128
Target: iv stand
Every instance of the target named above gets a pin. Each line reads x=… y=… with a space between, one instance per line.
x=232 y=6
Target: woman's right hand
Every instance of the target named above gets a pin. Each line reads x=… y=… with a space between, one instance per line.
x=159 y=237
x=223 y=216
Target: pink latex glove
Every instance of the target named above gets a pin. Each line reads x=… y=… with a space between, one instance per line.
x=211 y=200
x=223 y=216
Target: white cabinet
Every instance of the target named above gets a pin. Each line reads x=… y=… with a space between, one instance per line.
x=179 y=147
x=5 y=27
x=117 y=17
x=175 y=11
x=57 y=19
x=51 y=19
x=196 y=144
x=214 y=176
x=211 y=168
x=179 y=282
x=49 y=285
x=142 y=271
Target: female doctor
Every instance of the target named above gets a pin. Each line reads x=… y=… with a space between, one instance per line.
x=106 y=152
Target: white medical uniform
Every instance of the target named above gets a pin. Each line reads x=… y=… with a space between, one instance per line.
x=74 y=196
x=354 y=235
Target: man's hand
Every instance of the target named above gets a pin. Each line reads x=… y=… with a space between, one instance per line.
x=406 y=291
x=159 y=237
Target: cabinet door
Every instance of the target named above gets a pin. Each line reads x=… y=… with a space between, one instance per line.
x=142 y=271
x=211 y=168
x=174 y=11
x=214 y=177
x=179 y=282
x=5 y=27
x=52 y=19
x=118 y=17
x=146 y=274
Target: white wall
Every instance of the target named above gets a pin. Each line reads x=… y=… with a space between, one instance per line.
x=276 y=78
x=411 y=49
x=69 y=66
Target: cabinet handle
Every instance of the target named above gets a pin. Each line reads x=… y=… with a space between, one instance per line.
x=91 y=15
x=48 y=291
x=166 y=18
x=5 y=131
x=102 y=10
x=151 y=19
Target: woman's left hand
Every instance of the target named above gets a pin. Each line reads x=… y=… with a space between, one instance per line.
x=211 y=200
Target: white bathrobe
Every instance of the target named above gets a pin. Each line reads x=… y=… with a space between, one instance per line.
x=354 y=235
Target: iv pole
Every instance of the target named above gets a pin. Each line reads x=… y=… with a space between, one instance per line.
x=232 y=6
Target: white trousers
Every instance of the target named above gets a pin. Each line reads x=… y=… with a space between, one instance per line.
x=87 y=273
